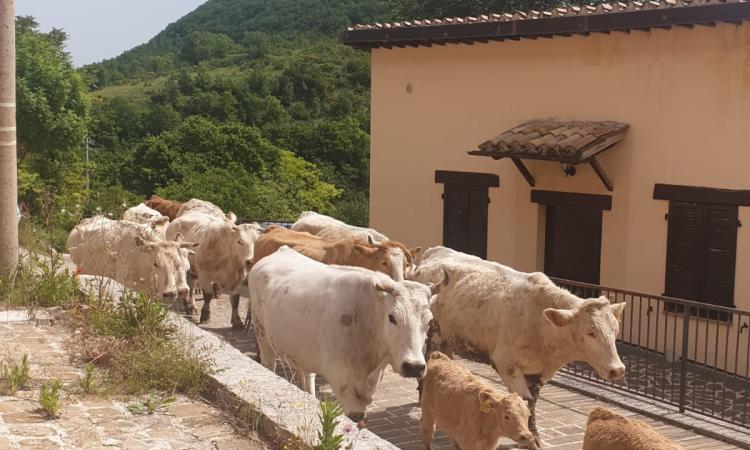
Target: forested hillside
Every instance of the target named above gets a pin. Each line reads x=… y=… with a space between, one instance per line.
x=251 y=104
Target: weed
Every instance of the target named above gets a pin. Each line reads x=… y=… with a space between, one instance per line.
x=17 y=374
x=39 y=281
x=329 y=419
x=49 y=398
x=87 y=382
x=151 y=405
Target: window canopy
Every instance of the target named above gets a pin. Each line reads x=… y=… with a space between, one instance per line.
x=568 y=143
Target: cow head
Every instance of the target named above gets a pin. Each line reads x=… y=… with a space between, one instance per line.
x=593 y=327
x=167 y=264
x=510 y=413
x=248 y=233
x=380 y=258
x=406 y=315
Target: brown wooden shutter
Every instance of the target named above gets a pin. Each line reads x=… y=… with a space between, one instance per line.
x=684 y=250
x=477 y=221
x=455 y=211
x=720 y=254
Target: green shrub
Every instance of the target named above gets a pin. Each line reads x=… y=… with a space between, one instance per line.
x=49 y=398
x=329 y=419
x=15 y=375
x=87 y=382
x=135 y=315
x=39 y=282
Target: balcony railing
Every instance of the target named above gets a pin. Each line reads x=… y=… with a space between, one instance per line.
x=691 y=355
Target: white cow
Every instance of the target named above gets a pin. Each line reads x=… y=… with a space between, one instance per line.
x=131 y=254
x=207 y=208
x=524 y=324
x=151 y=217
x=223 y=258
x=345 y=323
x=334 y=229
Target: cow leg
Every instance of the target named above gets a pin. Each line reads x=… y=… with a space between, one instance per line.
x=190 y=307
x=534 y=383
x=308 y=381
x=427 y=427
x=208 y=295
x=237 y=323
x=266 y=356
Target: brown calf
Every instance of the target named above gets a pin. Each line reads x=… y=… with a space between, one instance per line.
x=609 y=431
x=345 y=252
x=166 y=207
x=468 y=409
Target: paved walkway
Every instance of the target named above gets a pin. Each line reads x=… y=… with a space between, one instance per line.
x=394 y=414
x=95 y=423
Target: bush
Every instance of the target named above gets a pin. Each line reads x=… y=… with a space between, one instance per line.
x=14 y=375
x=39 y=282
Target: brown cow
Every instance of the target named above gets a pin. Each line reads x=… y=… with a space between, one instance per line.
x=468 y=409
x=168 y=208
x=344 y=252
x=609 y=431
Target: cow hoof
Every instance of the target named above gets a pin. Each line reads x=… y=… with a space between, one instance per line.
x=237 y=324
x=204 y=317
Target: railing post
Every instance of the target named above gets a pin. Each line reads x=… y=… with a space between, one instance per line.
x=684 y=356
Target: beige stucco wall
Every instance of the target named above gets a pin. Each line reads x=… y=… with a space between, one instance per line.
x=684 y=92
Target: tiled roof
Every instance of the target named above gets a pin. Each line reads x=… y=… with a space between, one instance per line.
x=572 y=142
x=558 y=21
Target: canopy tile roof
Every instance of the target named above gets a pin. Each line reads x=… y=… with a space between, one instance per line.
x=561 y=21
x=571 y=142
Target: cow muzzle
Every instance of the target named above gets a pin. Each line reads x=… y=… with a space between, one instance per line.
x=613 y=373
x=169 y=295
x=412 y=369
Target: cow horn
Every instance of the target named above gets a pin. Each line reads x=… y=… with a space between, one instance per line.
x=179 y=237
x=370 y=240
x=188 y=244
x=436 y=288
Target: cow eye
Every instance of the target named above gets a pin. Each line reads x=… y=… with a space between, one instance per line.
x=507 y=417
x=392 y=318
x=156 y=264
x=591 y=334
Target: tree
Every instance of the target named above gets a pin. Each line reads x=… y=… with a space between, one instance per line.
x=52 y=113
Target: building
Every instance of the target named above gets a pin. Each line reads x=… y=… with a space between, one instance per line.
x=608 y=145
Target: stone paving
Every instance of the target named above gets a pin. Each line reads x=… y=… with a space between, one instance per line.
x=96 y=423
x=394 y=414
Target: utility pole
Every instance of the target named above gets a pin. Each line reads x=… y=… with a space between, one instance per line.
x=8 y=174
x=88 y=178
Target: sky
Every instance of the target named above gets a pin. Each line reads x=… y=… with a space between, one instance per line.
x=100 y=29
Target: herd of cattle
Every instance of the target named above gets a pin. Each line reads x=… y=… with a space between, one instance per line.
x=345 y=302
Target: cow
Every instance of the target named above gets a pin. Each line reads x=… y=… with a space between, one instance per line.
x=166 y=207
x=205 y=207
x=334 y=229
x=344 y=252
x=606 y=430
x=469 y=409
x=145 y=215
x=345 y=323
x=522 y=323
x=131 y=254
x=220 y=262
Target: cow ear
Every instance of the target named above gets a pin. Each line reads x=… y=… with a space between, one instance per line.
x=559 y=317
x=386 y=286
x=436 y=288
x=139 y=241
x=415 y=251
x=190 y=252
x=486 y=402
x=618 y=309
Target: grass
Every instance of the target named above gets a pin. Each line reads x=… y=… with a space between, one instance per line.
x=134 y=344
x=86 y=383
x=40 y=281
x=49 y=398
x=151 y=404
x=14 y=375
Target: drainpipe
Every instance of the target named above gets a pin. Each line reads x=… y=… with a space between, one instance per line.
x=8 y=175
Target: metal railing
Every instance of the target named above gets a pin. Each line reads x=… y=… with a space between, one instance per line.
x=266 y=223
x=691 y=355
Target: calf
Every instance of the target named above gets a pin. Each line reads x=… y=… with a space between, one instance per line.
x=609 y=431
x=345 y=252
x=468 y=409
x=521 y=323
x=168 y=208
x=345 y=323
